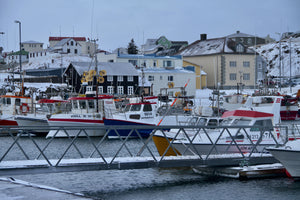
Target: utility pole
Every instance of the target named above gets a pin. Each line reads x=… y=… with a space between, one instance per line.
x=20 y=55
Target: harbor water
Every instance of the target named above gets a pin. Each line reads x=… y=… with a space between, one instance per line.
x=156 y=183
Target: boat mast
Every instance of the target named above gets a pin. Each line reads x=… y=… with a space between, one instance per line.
x=96 y=68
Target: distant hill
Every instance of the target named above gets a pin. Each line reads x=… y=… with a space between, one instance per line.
x=270 y=52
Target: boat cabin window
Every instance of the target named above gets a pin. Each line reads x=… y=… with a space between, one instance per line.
x=226 y=122
x=6 y=101
x=91 y=103
x=82 y=104
x=147 y=107
x=202 y=122
x=74 y=103
x=267 y=100
x=266 y=124
x=17 y=102
x=136 y=107
x=213 y=122
x=241 y=122
x=127 y=108
x=193 y=121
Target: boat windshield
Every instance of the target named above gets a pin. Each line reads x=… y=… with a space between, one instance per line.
x=135 y=107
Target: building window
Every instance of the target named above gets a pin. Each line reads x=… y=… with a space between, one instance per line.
x=259 y=65
x=133 y=62
x=130 y=90
x=246 y=64
x=232 y=63
x=89 y=88
x=167 y=63
x=232 y=77
x=120 y=78
x=154 y=63
x=246 y=76
x=150 y=78
x=170 y=78
x=130 y=78
x=72 y=43
x=110 y=89
x=120 y=90
x=161 y=78
x=110 y=78
x=75 y=51
x=68 y=50
x=240 y=48
x=100 y=89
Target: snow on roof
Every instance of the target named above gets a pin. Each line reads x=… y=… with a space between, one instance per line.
x=239 y=34
x=32 y=42
x=124 y=69
x=139 y=56
x=54 y=60
x=206 y=47
x=162 y=70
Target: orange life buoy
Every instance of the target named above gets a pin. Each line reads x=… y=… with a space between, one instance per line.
x=24 y=108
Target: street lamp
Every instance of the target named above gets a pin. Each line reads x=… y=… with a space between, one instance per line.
x=20 y=54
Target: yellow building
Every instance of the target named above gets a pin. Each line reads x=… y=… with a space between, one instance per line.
x=228 y=64
x=201 y=76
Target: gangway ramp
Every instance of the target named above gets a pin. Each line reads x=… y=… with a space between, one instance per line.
x=24 y=153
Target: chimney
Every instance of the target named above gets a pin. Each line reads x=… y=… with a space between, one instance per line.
x=203 y=36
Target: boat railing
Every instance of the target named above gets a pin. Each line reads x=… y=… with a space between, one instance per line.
x=294 y=131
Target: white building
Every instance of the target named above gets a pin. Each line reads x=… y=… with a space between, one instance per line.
x=32 y=46
x=146 y=61
x=170 y=81
x=87 y=47
x=66 y=46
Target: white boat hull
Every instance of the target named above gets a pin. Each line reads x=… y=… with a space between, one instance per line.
x=39 y=123
x=289 y=158
x=63 y=126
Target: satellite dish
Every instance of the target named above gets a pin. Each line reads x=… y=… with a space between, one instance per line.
x=100 y=79
x=102 y=73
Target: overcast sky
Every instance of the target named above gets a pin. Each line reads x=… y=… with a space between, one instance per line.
x=116 y=22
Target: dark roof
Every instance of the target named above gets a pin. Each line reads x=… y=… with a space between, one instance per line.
x=125 y=69
x=61 y=38
x=18 y=53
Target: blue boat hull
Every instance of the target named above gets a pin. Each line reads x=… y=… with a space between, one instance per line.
x=144 y=133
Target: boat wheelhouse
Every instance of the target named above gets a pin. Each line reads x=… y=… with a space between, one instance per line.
x=86 y=112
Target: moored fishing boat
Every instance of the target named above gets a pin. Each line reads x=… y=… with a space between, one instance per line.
x=85 y=112
x=143 y=113
x=39 y=118
x=257 y=133
x=12 y=105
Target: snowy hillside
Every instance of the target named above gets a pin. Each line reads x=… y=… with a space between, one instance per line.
x=270 y=52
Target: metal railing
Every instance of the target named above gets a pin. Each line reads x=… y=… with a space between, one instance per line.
x=21 y=150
